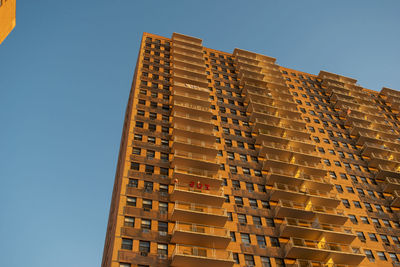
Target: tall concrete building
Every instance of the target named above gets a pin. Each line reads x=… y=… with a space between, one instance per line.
x=228 y=159
x=7 y=18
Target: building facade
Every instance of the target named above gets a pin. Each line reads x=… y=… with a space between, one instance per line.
x=232 y=160
x=7 y=18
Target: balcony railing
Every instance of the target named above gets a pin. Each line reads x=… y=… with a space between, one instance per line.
x=301 y=178
x=200 y=235
x=325 y=214
x=306 y=153
x=292 y=227
x=319 y=251
x=291 y=192
x=198 y=193
x=194 y=142
x=193 y=256
x=309 y=263
x=187 y=175
x=197 y=213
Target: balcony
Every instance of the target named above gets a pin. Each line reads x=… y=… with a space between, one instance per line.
x=309 y=212
x=289 y=150
x=189 y=132
x=194 y=160
x=183 y=60
x=192 y=120
x=187 y=175
x=314 y=230
x=303 y=195
x=308 y=263
x=191 y=109
x=388 y=160
x=293 y=165
x=384 y=171
x=200 y=235
x=184 y=50
x=186 y=39
x=390 y=184
x=191 y=193
x=190 y=88
x=381 y=147
x=191 y=69
x=275 y=116
x=194 y=145
x=272 y=107
x=321 y=251
x=184 y=256
x=191 y=79
x=269 y=95
x=201 y=214
x=281 y=129
x=395 y=201
x=298 y=179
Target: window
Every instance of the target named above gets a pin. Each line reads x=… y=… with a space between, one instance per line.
x=384 y=239
x=236 y=257
x=376 y=222
x=233 y=236
x=146 y=224
x=135 y=166
x=238 y=200
x=274 y=242
x=332 y=175
x=138 y=137
x=144 y=246
x=350 y=189
x=129 y=221
x=133 y=183
x=346 y=203
x=381 y=255
x=270 y=222
x=357 y=204
x=131 y=201
x=245 y=238
x=151 y=139
x=232 y=169
x=353 y=219
x=149 y=169
x=364 y=220
x=148 y=186
x=249 y=259
x=126 y=243
x=280 y=262
x=124 y=265
x=393 y=257
x=147 y=204
x=253 y=202
x=261 y=241
x=339 y=188
x=372 y=237
x=163 y=227
x=265 y=261
x=136 y=151
x=150 y=154
x=361 y=236
x=242 y=218
x=369 y=255
x=162 y=249
x=163 y=206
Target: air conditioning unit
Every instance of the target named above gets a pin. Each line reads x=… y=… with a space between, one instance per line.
x=162 y=233
x=162 y=256
x=145 y=230
x=144 y=254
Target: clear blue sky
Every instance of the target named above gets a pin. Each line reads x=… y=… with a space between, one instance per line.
x=65 y=75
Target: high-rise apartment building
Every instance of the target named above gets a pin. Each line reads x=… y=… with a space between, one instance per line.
x=7 y=18
x=232 y=160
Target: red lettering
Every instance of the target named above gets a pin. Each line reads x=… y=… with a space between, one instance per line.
x=191 y=184
x=207 y=186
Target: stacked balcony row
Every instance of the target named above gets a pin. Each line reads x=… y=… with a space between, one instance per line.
x=199 y=218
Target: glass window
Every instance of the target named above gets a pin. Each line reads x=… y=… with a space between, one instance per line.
x=126 y=243
x=245 y=238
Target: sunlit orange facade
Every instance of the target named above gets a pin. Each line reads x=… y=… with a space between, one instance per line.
x=228 y=159
x=7 y=18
